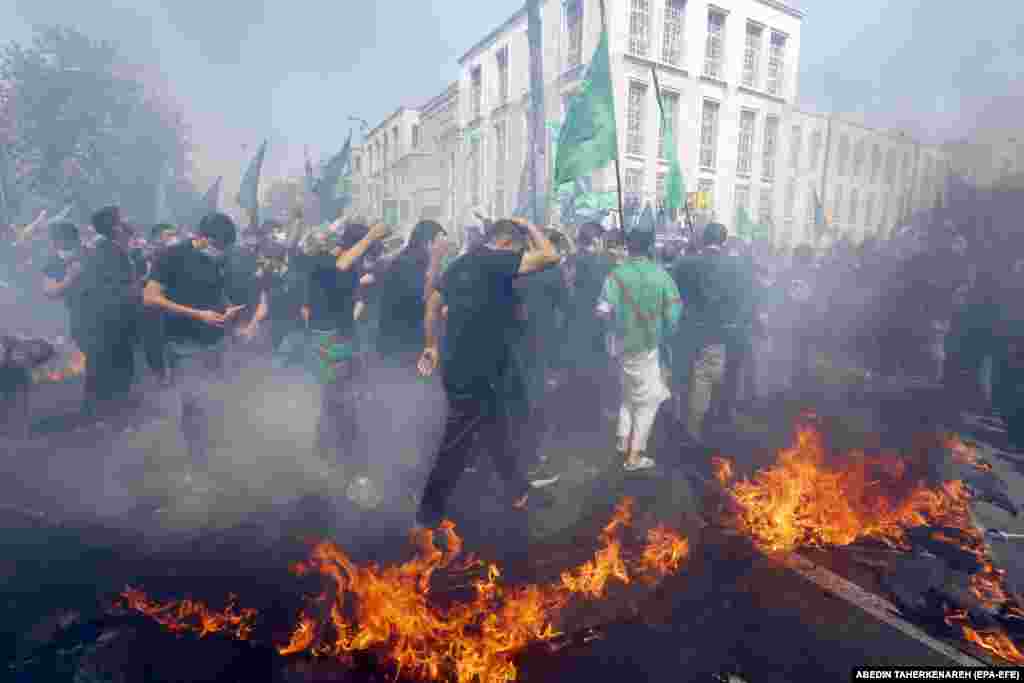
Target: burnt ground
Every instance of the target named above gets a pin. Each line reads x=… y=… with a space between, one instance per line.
x=86 y=510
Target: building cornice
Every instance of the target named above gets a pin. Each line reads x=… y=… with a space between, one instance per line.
x=492 y=36
x=783 y=7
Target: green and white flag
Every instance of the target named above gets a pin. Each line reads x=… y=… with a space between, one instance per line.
x=675 y=186
x=249 y=192
x=588 y=140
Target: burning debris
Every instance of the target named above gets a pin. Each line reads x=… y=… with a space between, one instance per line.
x=390 y=610
x=814 y=499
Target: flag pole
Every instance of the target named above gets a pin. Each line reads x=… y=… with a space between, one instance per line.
x=661 y=110
x=618 y=171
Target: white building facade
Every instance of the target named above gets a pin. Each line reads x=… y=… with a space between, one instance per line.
x=728 y=74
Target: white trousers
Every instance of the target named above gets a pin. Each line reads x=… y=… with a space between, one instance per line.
x=643 y=391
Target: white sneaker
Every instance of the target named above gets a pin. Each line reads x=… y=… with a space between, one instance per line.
x=639 y=464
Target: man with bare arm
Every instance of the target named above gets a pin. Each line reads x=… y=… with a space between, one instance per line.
x=478 y=291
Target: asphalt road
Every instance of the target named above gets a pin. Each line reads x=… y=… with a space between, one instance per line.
x=72 y=496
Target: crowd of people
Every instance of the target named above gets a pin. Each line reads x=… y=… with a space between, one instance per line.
x=629 y=327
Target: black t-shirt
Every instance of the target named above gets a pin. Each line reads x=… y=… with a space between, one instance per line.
x=478 y=289
x=245 y=280
x=191 y=278
x=402 y=301
x=330 y=295
x=591 y=272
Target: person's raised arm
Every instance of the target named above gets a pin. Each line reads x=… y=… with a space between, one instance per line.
x=541 y=254
x=430 y=356
x=347 y=259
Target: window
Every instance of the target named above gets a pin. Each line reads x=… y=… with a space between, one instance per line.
x=394 y=137
x=876 y=163
x=670 y=102
x=475 y=168
x=884 y=206
x=771 y=143
x=706 y=186
x=672 y=45
x=405 y=210
x=639 y=27
x=752 y=56
x=811 y=190
x=502 y=59
x=574 y=27
x=415 y=136
x=790 y=200
x=476 y=92
x=500 y=153
x=384 y=151
x=776 y=63
x=767 y=209
x=844 y=156
x=498 y=209
x=633 y=182
x=659 y=190
x=358 y=164
x=858 y=159
x=743 y=199
x=715 y=49
x=635 y=118
x=745 y=153
x=906 y=167
x=837 y=205
x=815 y=149
x=795 y=142
x=709 y=135
x=869 y=210
x=854 y=205
x=890 y=167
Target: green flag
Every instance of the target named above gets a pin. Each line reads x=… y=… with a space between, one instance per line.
x=249 y=192
x=748 y=229
x=675 y=186
x=588 y=139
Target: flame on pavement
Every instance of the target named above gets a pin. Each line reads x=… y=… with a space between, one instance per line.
x=388 y=609
x=809 y=500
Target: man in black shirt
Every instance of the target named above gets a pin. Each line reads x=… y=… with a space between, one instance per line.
x=109 y=295
x=187 y=284
x=478 y=291
x=330 y=301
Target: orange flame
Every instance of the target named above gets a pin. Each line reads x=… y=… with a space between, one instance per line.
x=992 y=640
x=183 y=616
x=470 y=641
x=722 y=467
x=964 y=453
x=804 y=501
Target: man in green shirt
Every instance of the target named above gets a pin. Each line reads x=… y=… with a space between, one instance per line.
x=642 y=303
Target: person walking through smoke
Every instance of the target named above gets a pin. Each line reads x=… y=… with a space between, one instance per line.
x=332 y=285
x=187 y=283
x=643 y=302
x=478 y=290
x=109 y=297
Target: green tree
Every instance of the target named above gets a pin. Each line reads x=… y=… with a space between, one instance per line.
x=86 y=128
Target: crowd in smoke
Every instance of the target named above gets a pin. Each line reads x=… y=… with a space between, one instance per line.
x=521 y=320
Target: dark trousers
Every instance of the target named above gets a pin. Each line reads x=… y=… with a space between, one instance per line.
x=337 y=427
x=151 y=335
x=739 y=367
x=110 y=361
x=472 y=409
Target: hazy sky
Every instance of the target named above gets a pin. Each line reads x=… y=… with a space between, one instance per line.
x=295 y=70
